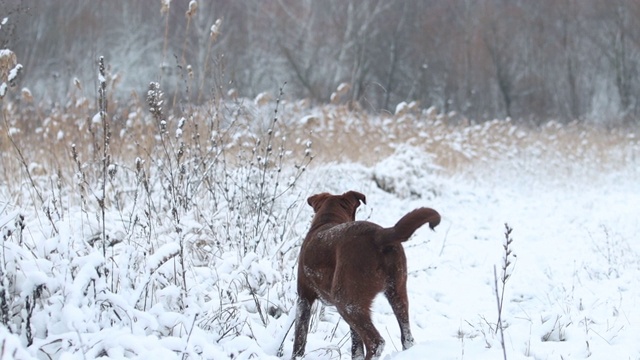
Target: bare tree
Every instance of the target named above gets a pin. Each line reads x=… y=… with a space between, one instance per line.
x=543 y=59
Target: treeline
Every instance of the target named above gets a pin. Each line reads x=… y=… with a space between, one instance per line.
x=526 y=59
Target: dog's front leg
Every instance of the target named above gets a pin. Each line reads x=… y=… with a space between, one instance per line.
x=357 y=348
x=303 y=314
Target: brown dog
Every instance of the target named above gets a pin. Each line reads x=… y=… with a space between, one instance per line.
x=346 y=263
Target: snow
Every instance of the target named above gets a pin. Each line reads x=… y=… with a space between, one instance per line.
x=401 y=108
x=6 y=55
x=11 y=347
x=13 y=73
x=215 y=28
x=572 y=291
x=262 y=98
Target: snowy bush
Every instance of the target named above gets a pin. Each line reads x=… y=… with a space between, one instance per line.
x=407 y=173
x=190 y=236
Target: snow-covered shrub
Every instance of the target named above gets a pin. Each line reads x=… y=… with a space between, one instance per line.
x=186 y=232
x=407 y=173
x=10 y=346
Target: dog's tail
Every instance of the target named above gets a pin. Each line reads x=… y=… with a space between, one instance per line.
x=407 y=225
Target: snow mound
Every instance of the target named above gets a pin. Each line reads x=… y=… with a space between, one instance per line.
x=408 y=173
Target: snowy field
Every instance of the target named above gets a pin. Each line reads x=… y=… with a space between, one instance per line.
x=209 y=281
x=572 y=291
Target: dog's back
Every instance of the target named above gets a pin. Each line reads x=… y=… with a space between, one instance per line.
x=360 y=252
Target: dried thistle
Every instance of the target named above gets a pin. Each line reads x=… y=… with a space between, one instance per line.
x=508 y=254
x=215 y=30
x=9 y=70
x=164 y=6
x=190 y=71
x=193 y=7
x=7 y=60
x=155 y=100
x=26 y=95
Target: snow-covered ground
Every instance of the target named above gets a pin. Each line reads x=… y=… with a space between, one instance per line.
x=572 y=292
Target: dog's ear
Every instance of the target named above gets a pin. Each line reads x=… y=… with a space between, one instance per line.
x=317 y=200
x=355 y=196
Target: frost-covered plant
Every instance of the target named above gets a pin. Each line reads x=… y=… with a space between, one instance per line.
x=10 y=69
x=405 y=173
x=504 y=276
x=107 y=168
x=614 y=250
x=260 y=181
x=556 y=328
x=213 y=37
x=194 y=221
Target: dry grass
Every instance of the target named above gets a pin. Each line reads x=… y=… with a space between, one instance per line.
x=45 y=135
x=339 y=134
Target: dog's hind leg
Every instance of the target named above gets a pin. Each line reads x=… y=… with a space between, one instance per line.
x=357 y=348
x=359 y=318
x=396 y=293
x=303 y=314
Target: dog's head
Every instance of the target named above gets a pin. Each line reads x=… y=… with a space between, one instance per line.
x=347 y=202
